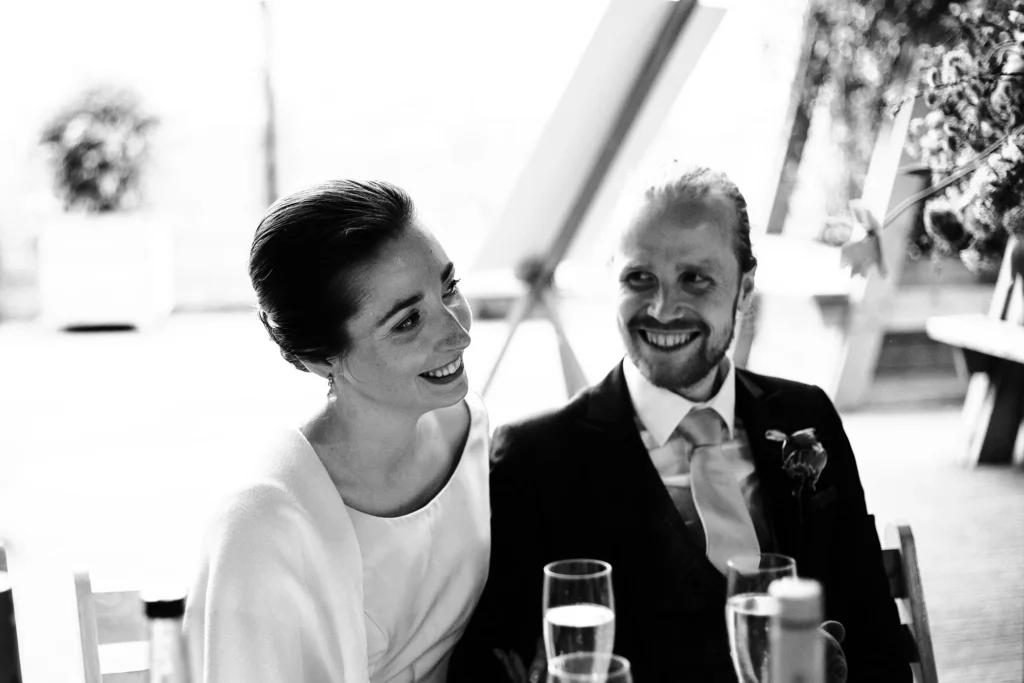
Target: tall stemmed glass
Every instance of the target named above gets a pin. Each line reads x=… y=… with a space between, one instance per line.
x=579 y=608
x=748 y=611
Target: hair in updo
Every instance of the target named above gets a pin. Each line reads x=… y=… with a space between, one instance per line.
x=306 y=254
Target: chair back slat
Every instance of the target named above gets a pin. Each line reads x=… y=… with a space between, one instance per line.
x=121 y=658
x=910 y=645
x=120 y=618
x=893 y=562
x=127 y=677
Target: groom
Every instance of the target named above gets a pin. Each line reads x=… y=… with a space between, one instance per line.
x=674 y=463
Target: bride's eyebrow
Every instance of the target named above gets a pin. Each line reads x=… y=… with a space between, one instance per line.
x=399 y=305
x=448 y=271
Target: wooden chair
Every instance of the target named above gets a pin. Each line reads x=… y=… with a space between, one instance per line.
x=900 y=559
x=114 y=632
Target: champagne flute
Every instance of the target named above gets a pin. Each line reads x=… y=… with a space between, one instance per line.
x=749 y=609
x=589 y=667
x=579 y=608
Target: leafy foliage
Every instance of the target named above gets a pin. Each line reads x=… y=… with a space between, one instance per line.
x=858 y=67
x=99 y=145
x=972 y=140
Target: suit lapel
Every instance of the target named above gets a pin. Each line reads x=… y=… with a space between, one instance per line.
x=761 y=410
x=647 y=510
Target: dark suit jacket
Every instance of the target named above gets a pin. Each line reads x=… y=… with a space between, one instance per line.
x=578 y=482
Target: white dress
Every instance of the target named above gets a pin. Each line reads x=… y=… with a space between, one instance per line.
x=295 y=586
x=423 y=572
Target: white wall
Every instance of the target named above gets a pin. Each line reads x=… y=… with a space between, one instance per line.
x=195 y=64
x=445 y=98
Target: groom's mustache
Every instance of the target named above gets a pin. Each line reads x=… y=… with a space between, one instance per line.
x=673 y=326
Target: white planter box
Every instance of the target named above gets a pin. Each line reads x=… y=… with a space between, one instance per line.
x=105 y=269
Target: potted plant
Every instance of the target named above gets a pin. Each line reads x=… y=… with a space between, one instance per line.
x=103 y=259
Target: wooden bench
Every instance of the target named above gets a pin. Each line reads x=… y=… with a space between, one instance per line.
x=990 y=351
x=984 y=342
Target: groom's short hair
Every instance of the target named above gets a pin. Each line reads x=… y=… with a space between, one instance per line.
x=696 y=183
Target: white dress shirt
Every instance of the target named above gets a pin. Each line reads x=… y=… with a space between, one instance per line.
x=657 y=414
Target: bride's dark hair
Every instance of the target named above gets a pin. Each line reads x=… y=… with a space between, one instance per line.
x=306 y=253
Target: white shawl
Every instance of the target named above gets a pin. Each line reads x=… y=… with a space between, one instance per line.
x=279 y=594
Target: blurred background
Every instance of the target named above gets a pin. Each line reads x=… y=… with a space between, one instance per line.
x=140 y=144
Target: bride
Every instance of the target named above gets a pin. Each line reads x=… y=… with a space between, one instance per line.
x=360 y=550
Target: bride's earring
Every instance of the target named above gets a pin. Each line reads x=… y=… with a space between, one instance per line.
x=330 y=384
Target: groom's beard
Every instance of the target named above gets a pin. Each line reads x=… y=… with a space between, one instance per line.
x=677 y=374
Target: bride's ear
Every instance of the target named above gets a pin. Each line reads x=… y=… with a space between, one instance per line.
x=324 y=370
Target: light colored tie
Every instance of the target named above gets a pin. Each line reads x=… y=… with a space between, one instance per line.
x=728 y=527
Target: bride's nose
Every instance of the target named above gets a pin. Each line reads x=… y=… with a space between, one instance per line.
x=456 y=337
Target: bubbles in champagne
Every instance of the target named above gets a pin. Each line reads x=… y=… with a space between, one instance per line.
x=748 y=616
x=579 y=628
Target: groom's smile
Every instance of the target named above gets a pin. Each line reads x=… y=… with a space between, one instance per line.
x=662 y=352
x=668 y=340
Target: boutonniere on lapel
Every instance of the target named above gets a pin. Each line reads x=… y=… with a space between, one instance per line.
x=803 y=457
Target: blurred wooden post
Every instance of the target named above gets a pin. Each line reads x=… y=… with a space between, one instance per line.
x=884 y=189
x=270 y=125
x=798 y=122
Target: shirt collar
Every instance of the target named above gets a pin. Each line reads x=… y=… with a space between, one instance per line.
x=660 y=410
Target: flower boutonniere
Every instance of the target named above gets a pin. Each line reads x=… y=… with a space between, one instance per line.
x=803 y=457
